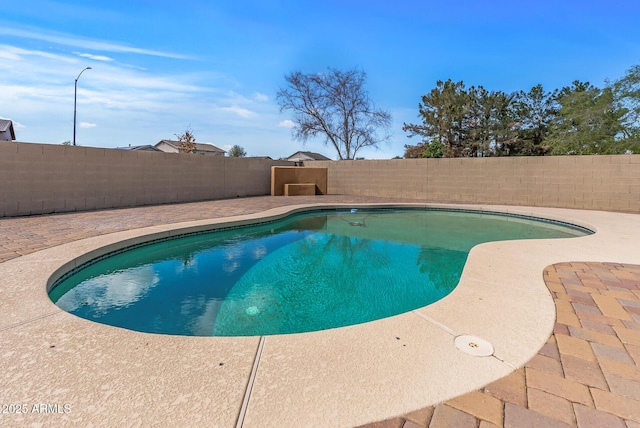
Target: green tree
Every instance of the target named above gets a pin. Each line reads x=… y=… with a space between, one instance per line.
x=187 y=141
x=505 y=125
x=589 y=122
x=442 y=112
x=459 y=122
x=429 y=149
x=534 y=113
x=488 y=121
x=627 y=98
x=334 y=106
x=237 y=152
x=475 y=130
x=578 y=119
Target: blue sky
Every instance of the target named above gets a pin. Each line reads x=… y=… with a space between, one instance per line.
x=160 y=66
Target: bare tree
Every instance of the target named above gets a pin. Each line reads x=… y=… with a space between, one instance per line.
x=187 y=141
x=335 y=106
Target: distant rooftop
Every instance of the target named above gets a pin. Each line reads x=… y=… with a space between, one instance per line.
x=200 y=147
x=7 y=125
x=145 y=147
x=303 y=156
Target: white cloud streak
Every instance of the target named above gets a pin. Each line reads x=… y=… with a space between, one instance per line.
x=147 y=103
x=239 y=111
x=14 y=53
x=94 y=57
x=79 y=42
x=287 y=124
x=261 y=97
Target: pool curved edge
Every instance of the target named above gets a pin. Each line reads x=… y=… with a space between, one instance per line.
x=339 y=377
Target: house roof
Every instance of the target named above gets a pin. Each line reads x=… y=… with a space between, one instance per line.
x=6 y=124
x=148 y=147
x=200 y=147
x=310 y=155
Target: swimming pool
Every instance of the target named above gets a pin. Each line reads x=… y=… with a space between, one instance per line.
x=307 y=272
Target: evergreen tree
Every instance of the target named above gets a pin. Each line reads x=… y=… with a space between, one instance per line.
x=588 y=123
x=578 y=119
x=458 y=122
x=442 y=112
x=237 y=152
x=627 y=98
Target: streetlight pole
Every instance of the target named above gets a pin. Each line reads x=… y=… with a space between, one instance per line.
x=75 y=97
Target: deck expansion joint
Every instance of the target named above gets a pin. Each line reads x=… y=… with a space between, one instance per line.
x=252 y=378
x=38 y=318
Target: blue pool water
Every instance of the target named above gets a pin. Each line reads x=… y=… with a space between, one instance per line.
x=308 y=272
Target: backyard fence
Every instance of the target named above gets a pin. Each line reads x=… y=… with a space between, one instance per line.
x=610 y=183
x=46 y=178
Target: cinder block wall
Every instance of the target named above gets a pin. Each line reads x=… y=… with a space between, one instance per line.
x=45 y=178
x=281 y=175
x=610 y=183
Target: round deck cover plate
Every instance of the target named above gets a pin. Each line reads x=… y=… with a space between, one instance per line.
x=473 y=345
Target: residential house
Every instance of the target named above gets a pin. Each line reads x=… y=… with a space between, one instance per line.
x=6 y=130
x=144 y=148
x=171 y=146
x=300 y=157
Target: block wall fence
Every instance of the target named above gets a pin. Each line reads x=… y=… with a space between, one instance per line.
x=46 y=178
x=281 y=175
x=609 y=183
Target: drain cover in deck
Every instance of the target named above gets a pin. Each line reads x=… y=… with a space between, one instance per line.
x=473 y=345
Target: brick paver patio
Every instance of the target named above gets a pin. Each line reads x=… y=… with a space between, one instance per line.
x=587 y=374
x=24 y=235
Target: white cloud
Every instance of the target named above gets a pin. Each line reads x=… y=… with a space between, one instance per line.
x=94 y=57
x=259 y=252
x=287 y=124
x=16 y=54
x=203 y=324
x=105 y=293
x=79 y=42
x=242 y=112
x=37 y=89
x=261 y=97
x=9 y=53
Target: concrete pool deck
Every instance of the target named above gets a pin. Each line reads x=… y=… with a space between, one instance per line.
x=341 y=377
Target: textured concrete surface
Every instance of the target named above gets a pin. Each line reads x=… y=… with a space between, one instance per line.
x=586 y=375
x=341 y=377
